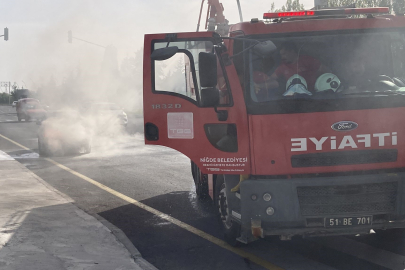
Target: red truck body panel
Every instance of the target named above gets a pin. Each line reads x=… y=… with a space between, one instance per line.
x=272 y=139
x=305 y=163
x=264 y=141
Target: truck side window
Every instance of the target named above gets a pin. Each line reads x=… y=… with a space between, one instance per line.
x=174 y=75
x=222 y=86
x=180 y=75
x=398 y=58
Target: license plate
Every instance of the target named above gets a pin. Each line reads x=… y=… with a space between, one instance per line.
x=348 y=221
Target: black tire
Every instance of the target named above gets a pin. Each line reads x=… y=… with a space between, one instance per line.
x=193 y=167
x=201 y=183
x=42 y=149
x=230 y=228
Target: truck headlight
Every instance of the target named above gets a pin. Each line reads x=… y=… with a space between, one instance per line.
x=267 y=197
x=270 y=211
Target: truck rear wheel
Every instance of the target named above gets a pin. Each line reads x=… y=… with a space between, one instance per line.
x=231 y=228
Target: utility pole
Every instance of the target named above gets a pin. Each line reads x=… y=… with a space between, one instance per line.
x=5 y=34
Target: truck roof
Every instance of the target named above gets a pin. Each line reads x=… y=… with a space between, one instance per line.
x=317 y=24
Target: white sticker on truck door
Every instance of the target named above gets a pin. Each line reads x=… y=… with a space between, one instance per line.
x=180 y=125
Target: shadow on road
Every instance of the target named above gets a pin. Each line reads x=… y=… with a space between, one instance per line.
x=168 y=246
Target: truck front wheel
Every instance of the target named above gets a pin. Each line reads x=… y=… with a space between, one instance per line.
x=200 y=181
x=231 y=228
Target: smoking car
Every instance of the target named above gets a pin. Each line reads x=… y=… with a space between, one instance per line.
x=64 y=133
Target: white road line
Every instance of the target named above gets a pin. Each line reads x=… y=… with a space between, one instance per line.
x=363 y=251
x=4 y=156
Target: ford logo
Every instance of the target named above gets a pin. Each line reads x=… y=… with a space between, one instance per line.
x=344 y=126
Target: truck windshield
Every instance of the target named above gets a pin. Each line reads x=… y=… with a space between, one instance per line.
x=328 y=67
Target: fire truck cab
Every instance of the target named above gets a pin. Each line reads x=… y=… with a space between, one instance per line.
x=293 y=125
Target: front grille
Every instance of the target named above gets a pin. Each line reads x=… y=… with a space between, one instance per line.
x=350 y=199
x=344 y=158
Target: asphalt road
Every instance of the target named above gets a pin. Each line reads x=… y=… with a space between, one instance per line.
x=160 y=178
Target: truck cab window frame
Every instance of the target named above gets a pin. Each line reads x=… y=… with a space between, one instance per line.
x=193 y=70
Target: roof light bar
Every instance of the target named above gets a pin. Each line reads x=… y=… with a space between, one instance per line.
x=288 y=14
x=326 y=12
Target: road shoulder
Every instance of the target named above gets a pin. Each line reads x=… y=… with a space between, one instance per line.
x=41 y=228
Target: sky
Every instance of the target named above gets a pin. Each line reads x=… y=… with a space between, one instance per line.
x=37 y=48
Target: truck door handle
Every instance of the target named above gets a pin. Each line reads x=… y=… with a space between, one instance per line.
x=221 y=114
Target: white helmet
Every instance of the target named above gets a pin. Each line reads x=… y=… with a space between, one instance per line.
x=265 y=48
x=296 y=84
x=327 y=81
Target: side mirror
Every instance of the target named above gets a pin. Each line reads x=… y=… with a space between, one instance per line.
x=207 y=63
x=209 y=97
x=164 y=53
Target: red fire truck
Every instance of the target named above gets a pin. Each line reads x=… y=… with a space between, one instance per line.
x=293 y=124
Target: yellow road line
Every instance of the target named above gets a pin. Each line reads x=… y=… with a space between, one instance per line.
x=16 y=143
x=253 y=258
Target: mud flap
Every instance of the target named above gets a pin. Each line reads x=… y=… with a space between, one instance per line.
x=233 y=194
x=234 y=206
x=233 y=198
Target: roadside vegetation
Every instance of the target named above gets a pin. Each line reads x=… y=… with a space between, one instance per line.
x=396 y=6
